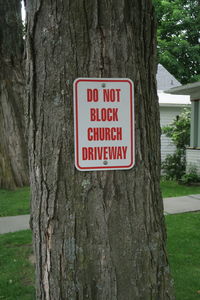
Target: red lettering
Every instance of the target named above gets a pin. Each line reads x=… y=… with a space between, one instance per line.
x=95 y=95
x=89 y=95
x=90 y=153
x=115 y=114
x=84 y=153
x=92 y=114
x=100 y=152
x=89 y=134
x=119 y=134
x=106 y=97
x=124 y=150
x=104 y=114
x=118 y=94
x=119 y=153
x=96 y=134
x=109 y=114
x=104 y=134
x=113 y=134
x=92 y=95
x=105 y=153
x=111 y=95
x=112 y=152
x=107 y=134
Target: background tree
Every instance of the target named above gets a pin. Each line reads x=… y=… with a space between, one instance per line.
x=178 y=38
x=97 y=235
x=13 y=149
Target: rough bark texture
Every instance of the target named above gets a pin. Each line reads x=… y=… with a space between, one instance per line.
x=13 y=149
x=97 y=235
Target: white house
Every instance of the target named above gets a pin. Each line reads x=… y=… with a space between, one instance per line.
x=193 y=152
x=170 y=106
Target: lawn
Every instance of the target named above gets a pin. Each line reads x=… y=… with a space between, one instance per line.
x=184 y=253
x=16 y=269
x=173 y=189
x=13 y=203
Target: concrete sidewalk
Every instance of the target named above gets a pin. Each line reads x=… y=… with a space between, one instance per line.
x=12 y=224
x=173 y=205
x=183 y=204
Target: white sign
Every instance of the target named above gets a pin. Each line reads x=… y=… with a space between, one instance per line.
x=104 y=124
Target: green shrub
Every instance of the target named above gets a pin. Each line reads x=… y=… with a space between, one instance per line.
x=179 y=129
x=190 y=177
x=174 y=165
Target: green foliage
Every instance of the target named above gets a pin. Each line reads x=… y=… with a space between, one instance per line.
x=174 y=165
x=179 y=130
x=178 y=37
x=191 y=177
x=13 y=203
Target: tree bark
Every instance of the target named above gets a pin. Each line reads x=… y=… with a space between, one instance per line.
x=97 y=235
x=13 y=148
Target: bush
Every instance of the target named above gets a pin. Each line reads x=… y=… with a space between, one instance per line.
x=174 y=165
x=179 y=129
x=190 y=178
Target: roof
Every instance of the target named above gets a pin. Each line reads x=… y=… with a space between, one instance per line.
x=192 y=89
x=165 y=80
x=173 y=100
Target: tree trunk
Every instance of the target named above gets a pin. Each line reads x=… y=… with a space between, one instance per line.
x=101 y=234
x=13 y=148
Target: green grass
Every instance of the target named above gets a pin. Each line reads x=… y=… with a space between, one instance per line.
x=184 y=253
x=173 y=189
x=13 y=203
x=16 y=271
x=17 y=274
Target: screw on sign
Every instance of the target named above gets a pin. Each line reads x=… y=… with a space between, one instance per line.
x=103 y=124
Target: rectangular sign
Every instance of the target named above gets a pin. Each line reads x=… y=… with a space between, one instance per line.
x=103 y=124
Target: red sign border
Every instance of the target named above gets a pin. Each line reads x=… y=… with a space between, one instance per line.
x=77 y=128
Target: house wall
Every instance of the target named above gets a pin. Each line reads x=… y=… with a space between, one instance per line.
x=195 y=124
x=193 y=159
x=167 y=115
